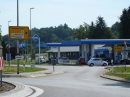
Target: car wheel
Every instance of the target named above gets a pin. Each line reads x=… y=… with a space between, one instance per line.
x=91 y=64
x=104 y=64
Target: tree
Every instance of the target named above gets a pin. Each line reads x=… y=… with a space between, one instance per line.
x=100 y=30
x=0 y=36
x=91 y=31
x=115 y=29
x=82 y=31
x=124 y=27
x=4 y=48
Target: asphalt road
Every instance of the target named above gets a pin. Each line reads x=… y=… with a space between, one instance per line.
x=77 y=81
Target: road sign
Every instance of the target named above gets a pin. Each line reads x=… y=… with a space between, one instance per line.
x=109 y=48
x=18 y=57
x=18 y=32
x=117 y=48
x=35 y=37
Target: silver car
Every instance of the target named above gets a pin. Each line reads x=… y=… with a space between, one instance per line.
x=97 y=61
x=64 y=60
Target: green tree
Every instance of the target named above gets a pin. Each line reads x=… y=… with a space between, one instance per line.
x=91 y=31
x=124 y=27
x=100 y=30
x=4 y=48
x=115 y=29
x=82 y=31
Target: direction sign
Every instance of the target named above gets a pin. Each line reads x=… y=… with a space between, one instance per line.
x=18 y=32
x=18 y=57
x=117 y=48
x=35 y=37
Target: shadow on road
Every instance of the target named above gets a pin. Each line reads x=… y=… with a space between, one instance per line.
x=122 y=84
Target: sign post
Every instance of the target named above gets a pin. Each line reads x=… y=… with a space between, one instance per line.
x=125 y=45
x=111 y=59
x=36 y=38
x=18 y=33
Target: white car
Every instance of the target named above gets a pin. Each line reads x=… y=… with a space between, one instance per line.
x=42 y=60
x=97 y=61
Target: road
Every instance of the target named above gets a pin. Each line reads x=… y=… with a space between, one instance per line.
x=77 y=81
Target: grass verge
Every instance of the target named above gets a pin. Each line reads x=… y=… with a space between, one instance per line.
x=119 y=71
x=8 y=69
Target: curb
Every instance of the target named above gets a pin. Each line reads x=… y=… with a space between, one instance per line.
x=38 y=74
x=22 y=90
x=115 y=78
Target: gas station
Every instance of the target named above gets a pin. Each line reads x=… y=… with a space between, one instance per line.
x=86 y=46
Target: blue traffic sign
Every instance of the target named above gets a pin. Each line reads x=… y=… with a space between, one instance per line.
x=35 y=37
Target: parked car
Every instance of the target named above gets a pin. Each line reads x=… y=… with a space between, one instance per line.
x=97 y=61
x=81 y=61
x=64 y=60
x=42 y=60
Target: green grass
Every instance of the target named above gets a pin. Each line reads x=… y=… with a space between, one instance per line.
x=120 y=72
x=8 y=69
x=20 y=61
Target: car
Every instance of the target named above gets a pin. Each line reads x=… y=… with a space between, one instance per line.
x=97 y=61
x=42 y=60
x=64 y=60
x=81 y=61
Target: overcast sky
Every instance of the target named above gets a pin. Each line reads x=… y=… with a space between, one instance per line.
x=48 y=13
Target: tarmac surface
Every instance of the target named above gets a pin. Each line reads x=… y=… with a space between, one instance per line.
x=22 y=90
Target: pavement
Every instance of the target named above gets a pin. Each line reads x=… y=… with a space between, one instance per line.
x=22 y=90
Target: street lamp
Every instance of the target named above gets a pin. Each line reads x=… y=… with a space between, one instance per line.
x=8 y=23
x=31 y=33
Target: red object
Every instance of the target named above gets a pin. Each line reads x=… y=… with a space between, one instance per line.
x=82 y=61
x=1 y=63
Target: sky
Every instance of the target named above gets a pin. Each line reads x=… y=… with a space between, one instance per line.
x=47 y=13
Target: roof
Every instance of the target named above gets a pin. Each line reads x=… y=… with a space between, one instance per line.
x=85 y=41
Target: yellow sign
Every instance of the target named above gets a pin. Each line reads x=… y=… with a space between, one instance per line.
x=109 y=48
x=18 y=32
x=117 y=48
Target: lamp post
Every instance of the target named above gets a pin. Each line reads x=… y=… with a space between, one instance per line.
x=18 y=40
x=9 y=45
x=31 y=33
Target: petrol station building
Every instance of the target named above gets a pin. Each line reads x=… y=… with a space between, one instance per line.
x=86 y=46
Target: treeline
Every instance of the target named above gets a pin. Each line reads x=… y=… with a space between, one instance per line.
x=99 y=30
